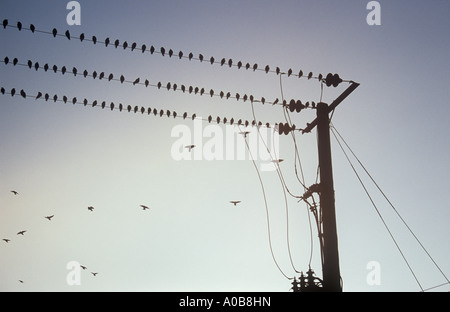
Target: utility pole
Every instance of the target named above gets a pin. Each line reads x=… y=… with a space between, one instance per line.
x=331 y=281
x=330 y=265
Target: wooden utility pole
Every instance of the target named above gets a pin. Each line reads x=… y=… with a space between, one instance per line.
x=331 y=281
x=330 y=265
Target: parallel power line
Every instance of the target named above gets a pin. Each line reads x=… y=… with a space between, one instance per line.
x=116 y=43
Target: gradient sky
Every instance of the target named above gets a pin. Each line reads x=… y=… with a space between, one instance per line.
x=63 y=158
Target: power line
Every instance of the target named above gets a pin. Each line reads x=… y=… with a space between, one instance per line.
x=377 y=210
x=392 y=206
x=129 y=108
x=170 y=86
x=169 y=52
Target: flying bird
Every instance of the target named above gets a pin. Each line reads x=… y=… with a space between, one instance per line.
x=21 y=281
x=235 y=202
x=90 y=208
x=144 y=207
x=244 y=133
x=15 y=192
x=94 y=273
x=49 y=217
x=83 y=267
x=6 y=240
x=21 y=232
x=190 y=147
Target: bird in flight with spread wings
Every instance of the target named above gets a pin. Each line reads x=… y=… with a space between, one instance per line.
x=90 y=208
x=144 y=207
x=190 y=147
x=235 y=202
x=15 y=192
x=21 y=232
x=49 y=217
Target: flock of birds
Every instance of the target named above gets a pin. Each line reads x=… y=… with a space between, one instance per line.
x=91 y=209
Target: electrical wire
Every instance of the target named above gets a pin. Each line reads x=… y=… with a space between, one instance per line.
x=122 y=107
x=163 y=51
x=138 y=81
x=392 y=206
x=377 y=210
x=267 y=209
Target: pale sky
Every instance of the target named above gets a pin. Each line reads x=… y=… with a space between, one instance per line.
x=63 y=158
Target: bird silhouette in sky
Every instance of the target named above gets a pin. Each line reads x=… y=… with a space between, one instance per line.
x=190 y=147
x=83 y=267
x=15 y=192
x=244 y=133
x=21 y=281
x=6 y=240
x=49 y=217
x=90 y=208
x=144 y=207
x=94 y=273
x=21 y=232
x=235 y=202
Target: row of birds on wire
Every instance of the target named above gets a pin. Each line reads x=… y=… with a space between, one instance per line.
x=169 y=86
x=169 y=52
x=64 y=99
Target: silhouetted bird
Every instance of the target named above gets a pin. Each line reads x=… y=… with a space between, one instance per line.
x=275 y=102
x=47 y=96
x=190 y=147
x=65 y=99
x=94 y=273
x=107 y=41
x=32 y=28
x=163 y=51
x=120 y=107
x=237 y=96
x=6 y=240
x=125 y=45
x=85 y=73
x=278 y=70
x=13 y=91
x=94 y=39
x=300 y=74
x=68 y=34
x=74 y=71
x=184 y=115
x=289 y=72
x=111 y=106
x=235 y=202
x=191 y=56
x=19 y=25
x=6 y=60
x=222 y=62
x=23 y=94
x=5 y=23
x=146 y=83
x=49 y=217
x=101 y=76
x=200 y=57
x=103 y=105
x=116 y=43
x=94 y=74
x=144 y=207
x=133 y=46
x=170 y=52
x=143 y=48
x=38 y=95
x=267 y=69
x=211 y=92
x=244 y=133
x=90 y=208
x=83 y=267
x=74 y=101
x=82 y=37
x=152 y=49
x=30 y=64
x=247 y=66
x=15 y=61
x=110 y=77
x=36 y=66
x=20 y=281
x=239 y=65
x=136 y=81
x=54 y=32
x=230 y=62
x=46 y=67
x=310 y=75
x=21 y=232
x=55 y=98
x=122 y=78
x=255 y=67
x=63 y=70
x=55 y=68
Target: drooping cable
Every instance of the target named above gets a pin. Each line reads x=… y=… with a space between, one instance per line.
x=377 y=210
x=390 y=203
